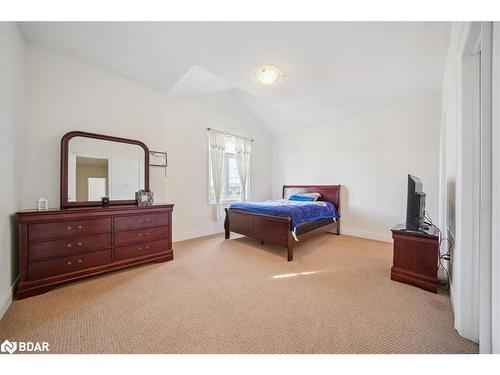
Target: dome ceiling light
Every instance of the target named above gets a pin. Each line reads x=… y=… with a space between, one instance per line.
x=268 y=74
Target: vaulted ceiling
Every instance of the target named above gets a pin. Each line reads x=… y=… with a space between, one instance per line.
x=331 y=69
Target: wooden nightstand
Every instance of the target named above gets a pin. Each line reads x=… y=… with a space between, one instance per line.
x=415 y=259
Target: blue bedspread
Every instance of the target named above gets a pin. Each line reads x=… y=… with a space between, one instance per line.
x=298 y=211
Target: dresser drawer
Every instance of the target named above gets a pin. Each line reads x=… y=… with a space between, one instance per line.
x=68 y=246
x=63 y=229
x=134 y=251
x=45 y=268
x=123 y=223
x=142 y=235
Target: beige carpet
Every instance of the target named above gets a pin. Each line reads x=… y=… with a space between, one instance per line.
x=240 y=297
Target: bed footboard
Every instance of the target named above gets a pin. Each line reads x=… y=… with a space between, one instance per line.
x=267 y=228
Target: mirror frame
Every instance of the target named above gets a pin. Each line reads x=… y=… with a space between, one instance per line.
x=64 y=168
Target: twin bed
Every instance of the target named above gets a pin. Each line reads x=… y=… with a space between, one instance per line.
x=285 y=222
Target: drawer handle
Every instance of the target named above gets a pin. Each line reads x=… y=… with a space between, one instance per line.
x=147 y=220
x=69 y=263
x=147 y=247
x=140 y=234
x=79 y=244
x=71 y=228
x=79 y=261
x=68 y=245
x=147 y=234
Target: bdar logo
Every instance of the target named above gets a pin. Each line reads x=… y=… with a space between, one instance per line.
x=24 y=347
x=8 y=347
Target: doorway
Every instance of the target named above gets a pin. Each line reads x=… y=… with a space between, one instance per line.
x=474 y=194
x=96 y=188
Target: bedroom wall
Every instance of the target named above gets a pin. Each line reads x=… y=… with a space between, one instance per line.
x=11 y=119
x=450 y=128
x=370 y=155
x=187 y=142
x=63 y=95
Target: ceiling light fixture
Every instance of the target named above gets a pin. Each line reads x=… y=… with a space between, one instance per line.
x=268 y=74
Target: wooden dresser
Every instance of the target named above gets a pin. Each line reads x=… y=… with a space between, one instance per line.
x=58 y=246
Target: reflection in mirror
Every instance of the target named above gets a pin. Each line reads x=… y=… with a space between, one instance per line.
x=91 y=179
x=100 y=168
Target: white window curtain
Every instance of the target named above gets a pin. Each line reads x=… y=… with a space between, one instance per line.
x=243 y=148
x=217 y=148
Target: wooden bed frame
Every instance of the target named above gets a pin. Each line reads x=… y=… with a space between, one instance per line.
x=276 y=229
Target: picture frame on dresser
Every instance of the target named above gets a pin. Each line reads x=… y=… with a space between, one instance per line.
x=83 y=239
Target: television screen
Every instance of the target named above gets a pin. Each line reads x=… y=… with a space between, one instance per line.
x=415 y=204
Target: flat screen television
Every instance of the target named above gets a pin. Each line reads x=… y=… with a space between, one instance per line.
x=415 y=204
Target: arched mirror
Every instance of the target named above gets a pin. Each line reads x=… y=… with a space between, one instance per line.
x=94 y=166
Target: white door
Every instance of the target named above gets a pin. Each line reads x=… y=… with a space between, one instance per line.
x=97 y=188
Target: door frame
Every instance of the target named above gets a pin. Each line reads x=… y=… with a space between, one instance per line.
x=466 y=252
x=485 y=211
x=495 y=193
x=473 y=251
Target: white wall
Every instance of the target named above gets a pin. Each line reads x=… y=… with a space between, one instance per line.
x=449 y=147
x=449 y=131
x=187 y=119
x=11 y=119
x=64 y=95
x=450 y=155
x=370 y=155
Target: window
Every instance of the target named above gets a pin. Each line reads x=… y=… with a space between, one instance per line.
x=231 y=185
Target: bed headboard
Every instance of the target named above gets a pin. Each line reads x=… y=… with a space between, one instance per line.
x=329 y=193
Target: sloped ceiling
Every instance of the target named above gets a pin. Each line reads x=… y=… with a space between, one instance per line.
x=331 y=69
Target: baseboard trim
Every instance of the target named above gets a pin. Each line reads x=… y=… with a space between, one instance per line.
x=346 y=231
x=198 y=233
x=368 y=235
x=7 y=299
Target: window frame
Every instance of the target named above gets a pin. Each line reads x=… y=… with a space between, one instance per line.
x=224 y=199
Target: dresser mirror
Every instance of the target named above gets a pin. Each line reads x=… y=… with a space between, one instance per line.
x=94 y=166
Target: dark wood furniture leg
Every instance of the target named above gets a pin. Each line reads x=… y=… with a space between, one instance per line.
x=226 y=225
x=289 y=247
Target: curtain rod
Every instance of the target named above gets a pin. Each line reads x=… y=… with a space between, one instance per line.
x=234 y=135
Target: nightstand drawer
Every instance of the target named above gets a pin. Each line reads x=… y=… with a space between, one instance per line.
x=68 y=246
x=45 y=268
x=63 y=229
x=141 y=221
